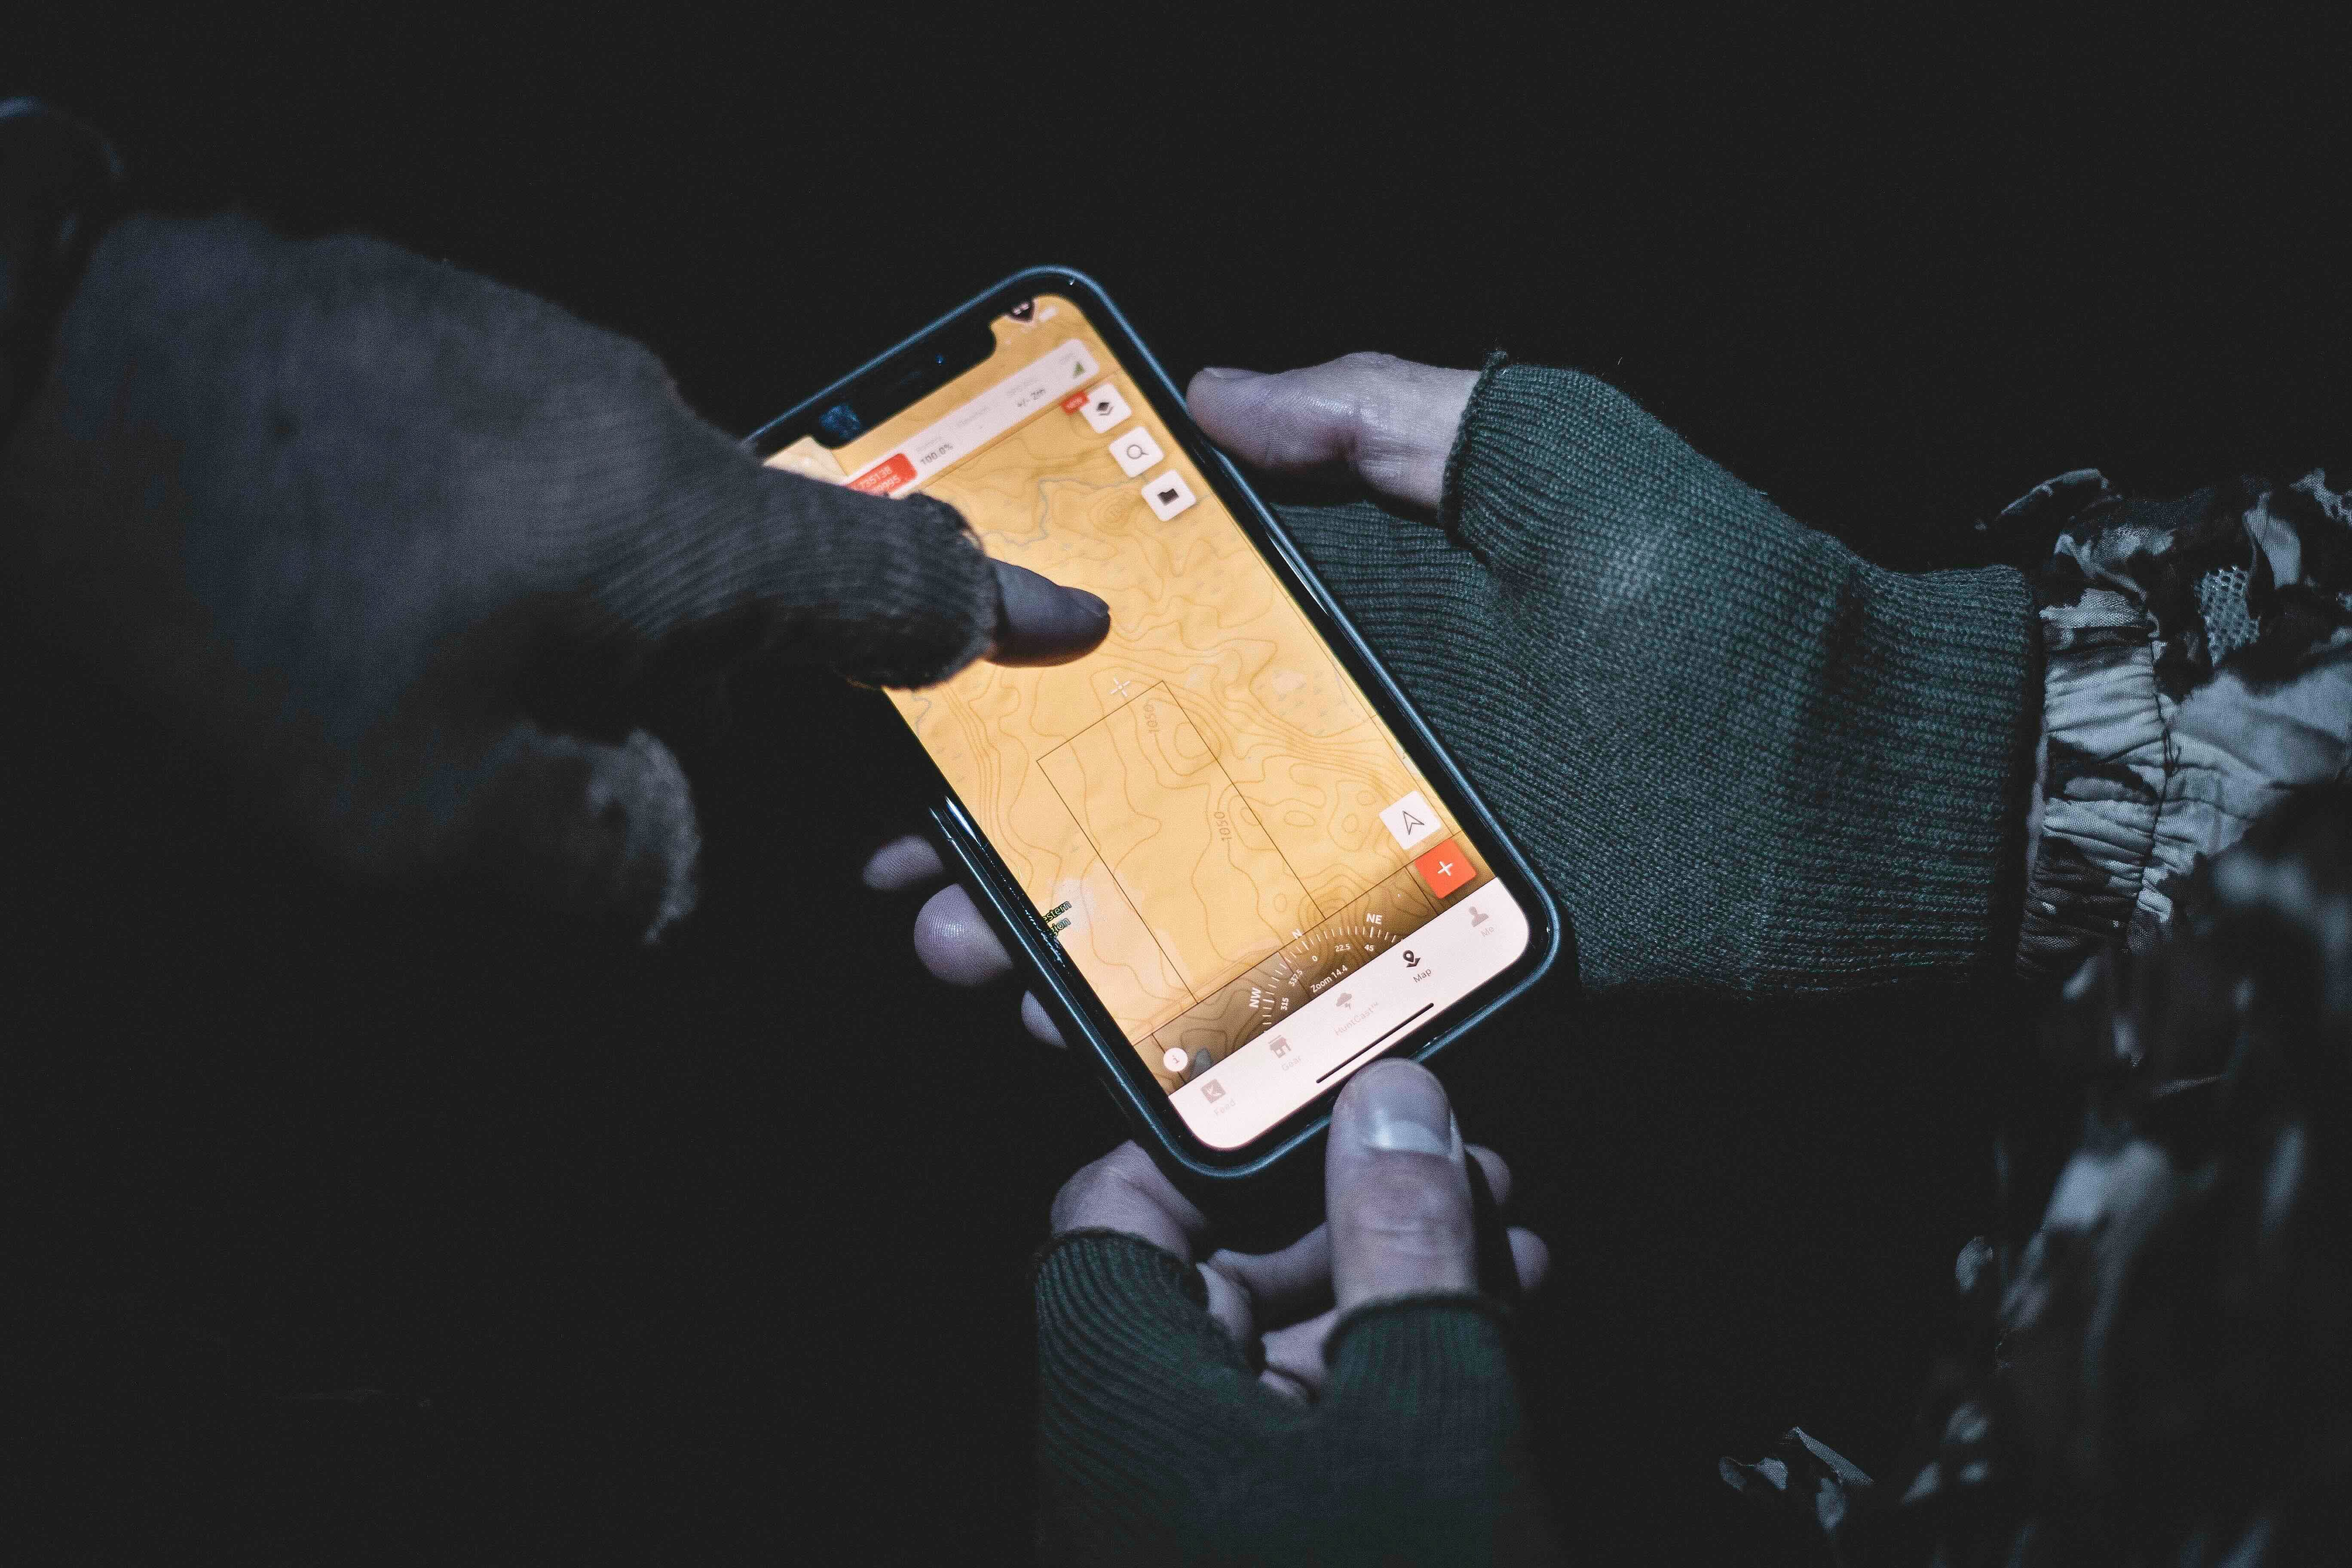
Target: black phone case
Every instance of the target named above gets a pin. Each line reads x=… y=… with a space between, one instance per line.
x=1213 y=1176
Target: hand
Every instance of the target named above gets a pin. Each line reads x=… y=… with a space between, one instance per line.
x=1742 y=759
x=1166 y=1408
x=402 y=558
x=1386 y=422
x=1400 y=1225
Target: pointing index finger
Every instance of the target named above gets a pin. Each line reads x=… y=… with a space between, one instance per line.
x=1041 y=622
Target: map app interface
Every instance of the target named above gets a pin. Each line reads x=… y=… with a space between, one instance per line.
x=1218 y=828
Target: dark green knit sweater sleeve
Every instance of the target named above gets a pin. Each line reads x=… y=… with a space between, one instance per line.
x=1157 y=1443
x=1741 y=756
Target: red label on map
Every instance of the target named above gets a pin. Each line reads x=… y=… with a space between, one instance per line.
x=1073 y=403
x=885 y=475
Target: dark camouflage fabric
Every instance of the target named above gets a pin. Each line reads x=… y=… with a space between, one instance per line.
x=2198 y=667
x=2161 y=1373
x=2153 y=1357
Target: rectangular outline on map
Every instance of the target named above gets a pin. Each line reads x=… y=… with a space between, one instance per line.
x=1306 y=896
x=1174 y=970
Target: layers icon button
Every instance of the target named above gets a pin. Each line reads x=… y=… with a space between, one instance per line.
x=1103 y=409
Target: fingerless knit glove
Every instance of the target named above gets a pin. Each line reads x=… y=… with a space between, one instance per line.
x=390 y=555
x=1741 y=756
x=1157 y=1443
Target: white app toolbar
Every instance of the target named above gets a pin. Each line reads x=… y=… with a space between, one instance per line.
x=1336 y=1033
x=1040 y=384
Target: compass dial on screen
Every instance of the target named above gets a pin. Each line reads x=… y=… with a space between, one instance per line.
x=1309 y=965
x=1314 y=964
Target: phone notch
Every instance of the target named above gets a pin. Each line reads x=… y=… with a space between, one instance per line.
x=901 y=380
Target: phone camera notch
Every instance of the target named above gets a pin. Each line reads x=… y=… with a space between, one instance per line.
x=839 y=425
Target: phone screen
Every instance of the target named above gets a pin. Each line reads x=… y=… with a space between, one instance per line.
x=1217 y=827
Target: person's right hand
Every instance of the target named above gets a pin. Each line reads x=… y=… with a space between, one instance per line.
x=1347 y=1398
x=1742 y=758
x=399 y=559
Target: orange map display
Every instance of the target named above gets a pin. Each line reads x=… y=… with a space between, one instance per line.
x=1194 y=804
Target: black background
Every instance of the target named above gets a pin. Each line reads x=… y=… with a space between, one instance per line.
x=345 y=1231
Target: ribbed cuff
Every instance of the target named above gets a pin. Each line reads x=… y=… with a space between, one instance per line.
x=1147 y=1413
x=1441 y=1352
x=1829 y=761
x=1157 y=1444
x=1116 y=1261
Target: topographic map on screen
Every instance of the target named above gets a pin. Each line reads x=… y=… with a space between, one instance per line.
x=1211 y=818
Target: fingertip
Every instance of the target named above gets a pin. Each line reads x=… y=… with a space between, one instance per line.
x=1530 y=1258
x=1497 y=1172
x=903 y=863
x=955 y=943
x=1287 y=1385
x=1213 y=384
x=605 y=834
x=1247 y=414
x=1039 y=621
x=1397 y=1104
x=1039 y=1023
x=1229 y=1303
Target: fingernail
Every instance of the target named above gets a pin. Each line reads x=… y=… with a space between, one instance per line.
x=1227 y=372
x=1400 y=1107
x=1044 y=622
x=1093 y=608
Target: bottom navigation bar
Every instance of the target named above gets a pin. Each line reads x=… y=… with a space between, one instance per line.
x=1336 y=1033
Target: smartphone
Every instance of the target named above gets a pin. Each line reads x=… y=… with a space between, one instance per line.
x=1239 y=864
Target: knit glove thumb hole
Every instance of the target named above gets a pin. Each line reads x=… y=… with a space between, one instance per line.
x=749 y=562
x=1466 y=509
x=1430 y=1363
x=592 y=834
x=1573 y=499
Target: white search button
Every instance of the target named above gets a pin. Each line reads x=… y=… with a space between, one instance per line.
x=1136 y=451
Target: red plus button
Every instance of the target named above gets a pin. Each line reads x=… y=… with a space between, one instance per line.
x=1444 y=869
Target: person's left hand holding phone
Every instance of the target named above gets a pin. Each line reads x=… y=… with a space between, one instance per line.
x=1347 y=1398
x=395 y=552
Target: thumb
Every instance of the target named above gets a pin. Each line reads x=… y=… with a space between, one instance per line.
x=1388 y=421
x=762 y=563
x=595 y=837
x=1396 y=1190
x=600 y=835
